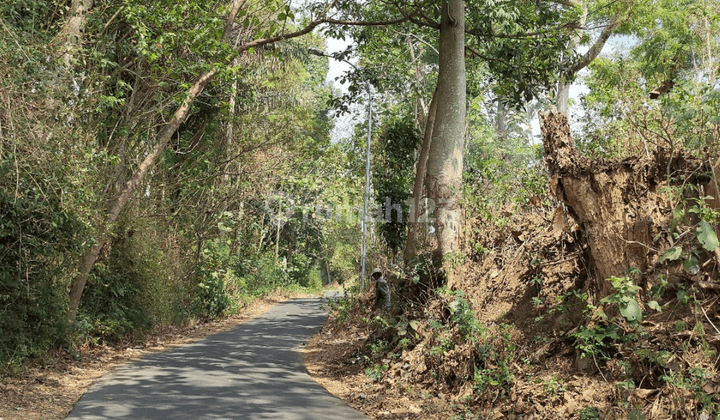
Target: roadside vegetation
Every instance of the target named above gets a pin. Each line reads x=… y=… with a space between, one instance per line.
x=220 y=220
x=589 y=285
x=166 y=164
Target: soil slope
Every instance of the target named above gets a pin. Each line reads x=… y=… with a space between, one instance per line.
x=603 y=305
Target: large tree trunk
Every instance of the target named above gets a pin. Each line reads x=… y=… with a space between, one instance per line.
x=420 y=171
x=119 y=202
x=445 y=163
x=616 y=229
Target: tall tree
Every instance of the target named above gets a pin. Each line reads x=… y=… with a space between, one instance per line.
x=445 y=162
x=259 y=28
x=420 y=171
x=520 y=43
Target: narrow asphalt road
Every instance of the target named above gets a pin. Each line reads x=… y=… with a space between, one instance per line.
x=251 y=372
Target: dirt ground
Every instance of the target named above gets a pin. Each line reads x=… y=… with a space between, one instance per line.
x=49 y=392
x=333 y=359
x=340 y=354
x=528 y=285
x=518 y=284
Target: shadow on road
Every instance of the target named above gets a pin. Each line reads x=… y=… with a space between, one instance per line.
x=251 y=372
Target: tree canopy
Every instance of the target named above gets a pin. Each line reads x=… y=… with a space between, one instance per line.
x=162 y=161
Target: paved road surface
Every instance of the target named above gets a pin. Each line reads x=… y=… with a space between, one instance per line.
x=252 y=372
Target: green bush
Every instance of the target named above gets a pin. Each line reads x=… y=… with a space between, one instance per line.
x=211 y=299
x=110 y=308
x=138 y=284
x=314 y=281
x=393 y=177
x=38 y=241
x=299 y=269
x=376 y=372
x=261 y=273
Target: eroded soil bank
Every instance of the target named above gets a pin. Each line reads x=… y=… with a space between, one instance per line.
x=604 y=304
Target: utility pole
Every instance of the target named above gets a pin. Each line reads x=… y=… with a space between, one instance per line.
x=363 y=251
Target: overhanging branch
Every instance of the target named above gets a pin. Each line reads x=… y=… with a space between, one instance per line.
x=317 y=22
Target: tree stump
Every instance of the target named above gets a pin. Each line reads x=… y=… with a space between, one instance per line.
x=617 y=203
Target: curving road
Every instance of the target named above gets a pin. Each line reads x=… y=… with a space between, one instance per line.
x=252 y=372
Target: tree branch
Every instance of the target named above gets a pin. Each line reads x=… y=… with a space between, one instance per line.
x=522 y=35
x=317 y=22
x=425 y=21
x=486 y=58
x=231 y=18
x=594 y=51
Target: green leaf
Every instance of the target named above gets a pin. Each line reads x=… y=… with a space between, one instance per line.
x=707 y=237
x=691 y=264
x=654 y=305
x=678 y=216
x=631 y=311
x=682 y=297
x=671 y=254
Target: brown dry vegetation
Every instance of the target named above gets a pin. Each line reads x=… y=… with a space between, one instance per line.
x=535 y=282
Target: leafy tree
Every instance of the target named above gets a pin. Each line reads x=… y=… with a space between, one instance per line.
x=393 y=176
x=204 y=53
x=167 y=223
x=521 y=44
x=674 y=51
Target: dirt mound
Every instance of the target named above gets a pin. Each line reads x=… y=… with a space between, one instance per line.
x=605 y=306
x=510 y=345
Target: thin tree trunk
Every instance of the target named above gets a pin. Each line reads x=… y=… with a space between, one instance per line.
x=563 y=88
x=230 y=22
x=445 y=162
x=418 y=76
x=327 y=269
x=410 y=249
x=501 y=125
x=91 y=254
x=73 y=30
x=277 y=237
x=230 y=129
x=563 y=95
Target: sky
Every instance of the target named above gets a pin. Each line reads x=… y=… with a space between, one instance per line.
x=345 y=124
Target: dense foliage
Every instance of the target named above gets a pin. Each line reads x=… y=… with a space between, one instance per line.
x=247 y=194
x=202 y=233
x=393 y=177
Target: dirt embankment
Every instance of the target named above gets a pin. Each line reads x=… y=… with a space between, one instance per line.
x=537 y=329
